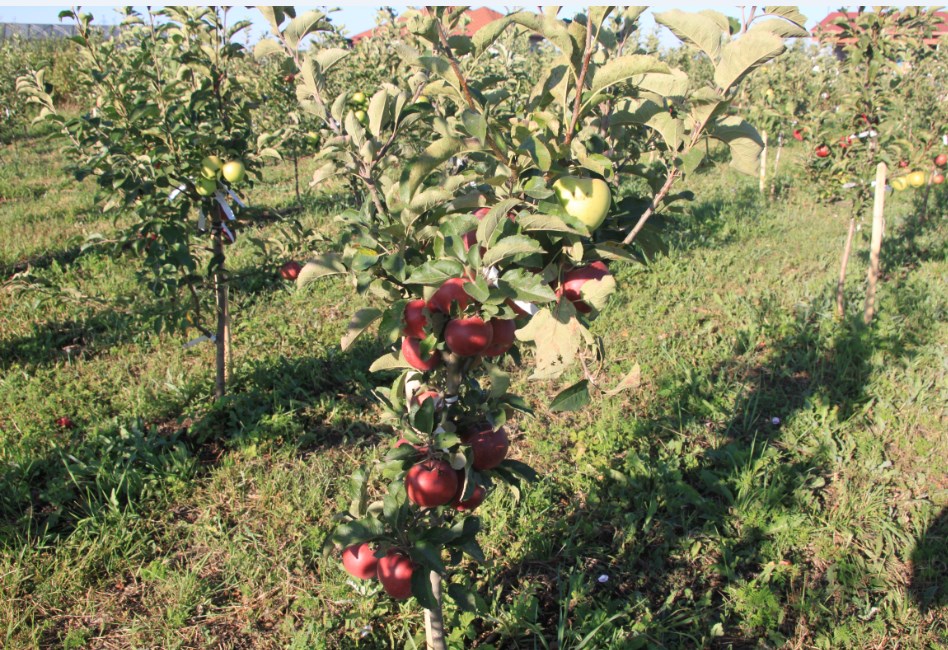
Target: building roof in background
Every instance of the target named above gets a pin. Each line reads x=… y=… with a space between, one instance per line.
x=478 y=18
x=827 y=27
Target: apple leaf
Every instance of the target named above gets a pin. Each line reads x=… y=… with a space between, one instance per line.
x=573 y=398
x=595 y=293
x=544 y=223
x=494 y=220
x=435 y=272
x=354 y=532
x=520 y=469
x=527 y=286
x=320 y=266
x=781 y=28
x=557 y=336
x=434 y=155
x=699 y=31
x=743 y=140
x=790 y=13
x=631 y=381
x=462 y=596
x=304 y=25
x=626 y=68
x=421 y=589
x=359 y=322
x=390 y=361
x=511 y=247
x=265 y=47
x=425 y=553
x=538 y=152
x=744 y=55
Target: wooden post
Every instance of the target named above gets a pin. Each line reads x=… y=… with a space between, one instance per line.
x=222 y=311
x=763 y=163
x=773 y=178
x=878 y=228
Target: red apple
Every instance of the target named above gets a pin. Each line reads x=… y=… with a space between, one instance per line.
x=415 y=319
x=394 y=572
x=419 y=398
x=411 y=350
x=822 y=151
x=941 y=160
x=64 y=423
x=360 y=561
x=489 y=446
x=431 y=483
x=938 y=179
x=574 y=279
x=503 y=337
x=448 y=293
x=903 y=164
x=798 y=135
x=477 y=496
x=290 y=270
x=468 y=337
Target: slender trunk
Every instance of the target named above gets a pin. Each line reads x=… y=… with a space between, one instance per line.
x=763 y=163
x=878 y=228
x=841 y=285
x=220 y=291
x=773 y=179
x=434 y=621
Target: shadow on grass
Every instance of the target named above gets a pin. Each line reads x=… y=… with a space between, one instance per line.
x=131 y=465
x=929 y=583
x=685 y=520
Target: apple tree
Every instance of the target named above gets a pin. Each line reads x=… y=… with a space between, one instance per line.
x=491 y=242
x=169 y=140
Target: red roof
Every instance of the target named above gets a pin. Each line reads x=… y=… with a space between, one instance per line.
x=828 y=27
x=478 y=18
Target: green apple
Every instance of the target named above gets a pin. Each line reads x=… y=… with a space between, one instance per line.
x=205 y=186
x=211 y=167
x=357 y=98
x=234 y=171
x=916 y=179
x=587 y=199
x=362 y=117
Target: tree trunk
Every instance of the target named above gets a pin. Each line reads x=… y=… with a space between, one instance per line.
x=878 y=228
x=220 y=290
x=434 y=621
x=841 y=285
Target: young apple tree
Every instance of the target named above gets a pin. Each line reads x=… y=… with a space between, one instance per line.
x=169 y=140
x=492 y=224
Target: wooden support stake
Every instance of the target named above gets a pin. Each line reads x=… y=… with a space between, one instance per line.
x=763 y=163
x=878 y=228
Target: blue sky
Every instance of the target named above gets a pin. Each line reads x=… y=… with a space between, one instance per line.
x=357 y=17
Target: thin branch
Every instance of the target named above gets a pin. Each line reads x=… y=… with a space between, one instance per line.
x=577 y=103
x=672 y=177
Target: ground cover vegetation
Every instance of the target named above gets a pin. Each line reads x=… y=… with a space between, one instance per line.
x=594 y=388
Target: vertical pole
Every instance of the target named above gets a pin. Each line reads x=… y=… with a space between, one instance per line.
x=878 y=227
x=220 y=291
x=763 y=163
x=841 y=284
x=773 y=179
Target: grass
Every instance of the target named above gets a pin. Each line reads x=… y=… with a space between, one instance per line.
x=778 y=480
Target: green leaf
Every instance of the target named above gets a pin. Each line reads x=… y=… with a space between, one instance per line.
x=427 y=555
x=266 y=47
x=625 y=68
x=421 y=588
x=475 y=124
x=499 y=381
x=391 y=361
x=789 y=13
x=691 y=160
x=743 y=140
x=781 y=28
x=520 y=469
x=747 y=53
x=511 y=247
x=527 y=286
x=359 y=322
x=320 y=266
x=433 y=156
x=493 y=220
x=544 y=223
x=700 y=31
x=573 y=398
x=538 y=152
x=302 y=26
x=435 y=272
x=462 y=596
